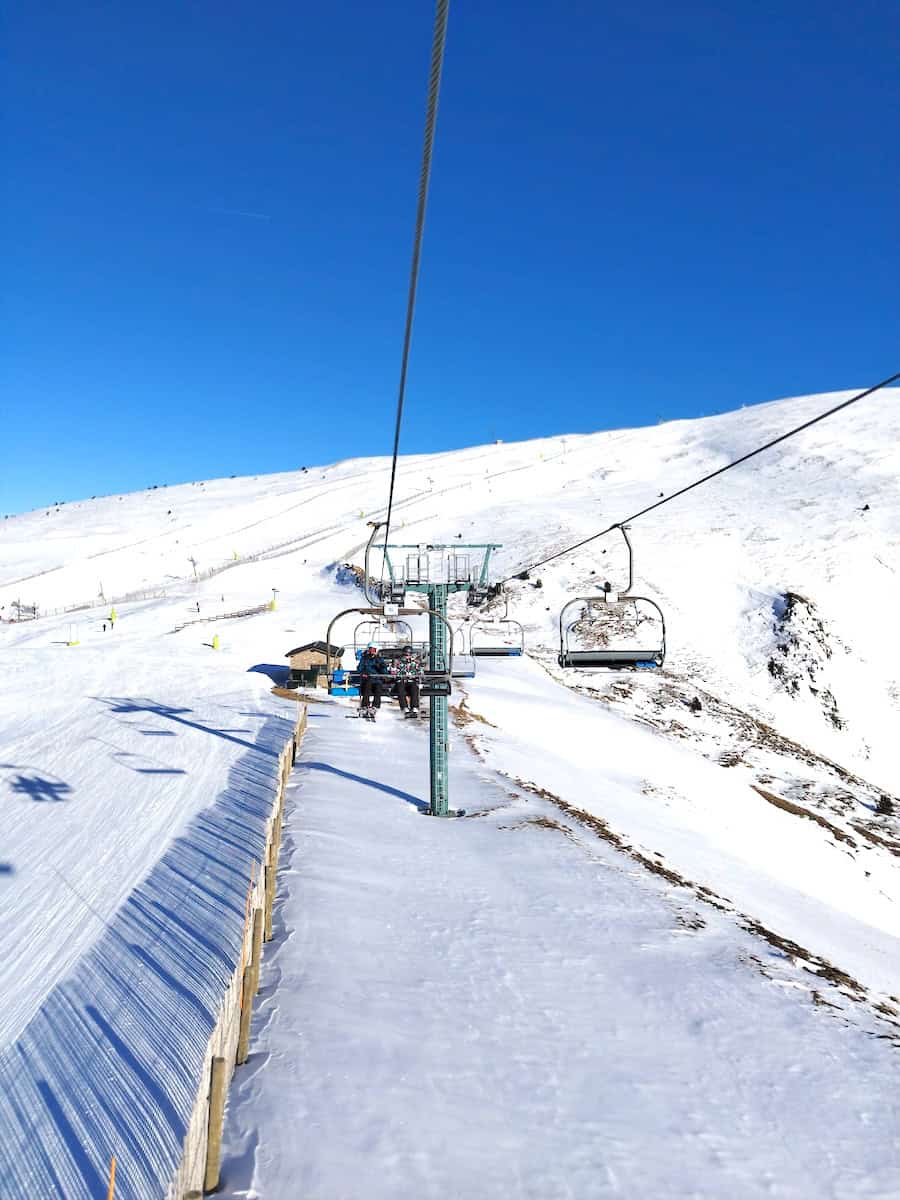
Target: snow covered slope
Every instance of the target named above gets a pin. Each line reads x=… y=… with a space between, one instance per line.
x=780 y=587
x=504 y=1006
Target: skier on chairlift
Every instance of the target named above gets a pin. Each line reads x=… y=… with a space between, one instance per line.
x=371 y=668
x=409 y=674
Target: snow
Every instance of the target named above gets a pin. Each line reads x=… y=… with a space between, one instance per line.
x=499 y=1006
x=116 y=751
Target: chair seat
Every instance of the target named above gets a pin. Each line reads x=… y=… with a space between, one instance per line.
x=496 y=651
x=612 y=659
x=463 y=666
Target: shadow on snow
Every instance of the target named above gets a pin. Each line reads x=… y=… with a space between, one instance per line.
x=119 y=705
x=276 y=672
x=111 y=1061
x=372 y=783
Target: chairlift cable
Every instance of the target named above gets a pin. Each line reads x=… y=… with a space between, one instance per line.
x=706 y=478
x=434 y=87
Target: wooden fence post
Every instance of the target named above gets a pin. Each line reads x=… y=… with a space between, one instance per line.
x=270 y=889
x=243 y=1046
x=257 y=947
x=214 y=1131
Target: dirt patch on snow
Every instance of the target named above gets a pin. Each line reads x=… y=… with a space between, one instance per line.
x=799 y=955
x=463 y=716
x=799 y=811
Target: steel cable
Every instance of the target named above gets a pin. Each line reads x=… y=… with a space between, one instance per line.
x=706 y=478
x=434 y=88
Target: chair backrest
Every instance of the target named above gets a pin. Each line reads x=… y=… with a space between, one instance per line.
x=503 y=627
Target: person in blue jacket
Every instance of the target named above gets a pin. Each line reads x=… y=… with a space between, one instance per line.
x=370 y=667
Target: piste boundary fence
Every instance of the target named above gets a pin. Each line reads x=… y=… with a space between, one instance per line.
x=228 y=1046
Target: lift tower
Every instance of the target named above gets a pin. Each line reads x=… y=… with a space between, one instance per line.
x=435 y=570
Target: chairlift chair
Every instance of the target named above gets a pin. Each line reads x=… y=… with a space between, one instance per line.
x=504 y=637
x=434 y=683
x=595 y=614
x=463 y=659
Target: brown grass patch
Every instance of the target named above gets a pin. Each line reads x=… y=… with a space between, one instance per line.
x=806 y=959
x=799 y=811
x=463 y=716
x=893 y=847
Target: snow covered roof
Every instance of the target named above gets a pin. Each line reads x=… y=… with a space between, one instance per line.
x=321 y=647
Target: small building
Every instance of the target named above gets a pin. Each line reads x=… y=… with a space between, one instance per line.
x=308 y=662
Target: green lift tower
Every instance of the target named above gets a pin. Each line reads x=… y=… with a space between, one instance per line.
x=435 y=570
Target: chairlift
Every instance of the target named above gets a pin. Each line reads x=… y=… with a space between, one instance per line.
x=595 y=615
x=463 y=659
x=502 y=637
x=434 y=682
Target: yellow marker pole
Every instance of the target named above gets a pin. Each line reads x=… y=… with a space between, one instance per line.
x=215 y=641
x=111 y=1194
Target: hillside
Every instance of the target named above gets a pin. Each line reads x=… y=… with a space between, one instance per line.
x=756 y=774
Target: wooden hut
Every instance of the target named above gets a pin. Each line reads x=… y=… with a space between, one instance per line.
x=308 y=662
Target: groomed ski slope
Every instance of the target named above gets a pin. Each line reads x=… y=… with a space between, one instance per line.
x=115 y=749
x=501 y=1005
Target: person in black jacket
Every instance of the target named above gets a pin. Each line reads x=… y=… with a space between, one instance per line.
x=370 y=667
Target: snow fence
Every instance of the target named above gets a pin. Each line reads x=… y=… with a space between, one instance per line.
x=130 y=1058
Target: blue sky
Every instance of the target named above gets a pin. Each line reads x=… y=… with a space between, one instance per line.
x=637 y=213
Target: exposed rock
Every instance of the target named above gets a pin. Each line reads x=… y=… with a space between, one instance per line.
x=802 y=649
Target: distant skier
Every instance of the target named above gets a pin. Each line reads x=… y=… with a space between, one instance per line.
x=409 y=674
x=371 y=668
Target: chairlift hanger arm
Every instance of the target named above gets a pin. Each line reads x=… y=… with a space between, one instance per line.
x=624 y=531
x=376 y=525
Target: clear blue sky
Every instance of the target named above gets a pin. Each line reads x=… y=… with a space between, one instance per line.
x=637 y=212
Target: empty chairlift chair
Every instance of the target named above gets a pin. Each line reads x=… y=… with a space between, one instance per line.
x=598 y=615
x=463 y=659
x=497 y=637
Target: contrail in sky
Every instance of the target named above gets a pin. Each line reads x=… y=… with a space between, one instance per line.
x=240 y=212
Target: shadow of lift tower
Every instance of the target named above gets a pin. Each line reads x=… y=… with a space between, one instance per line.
x=433 y=570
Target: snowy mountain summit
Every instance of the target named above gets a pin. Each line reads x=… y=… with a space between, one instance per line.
x=753 y=781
